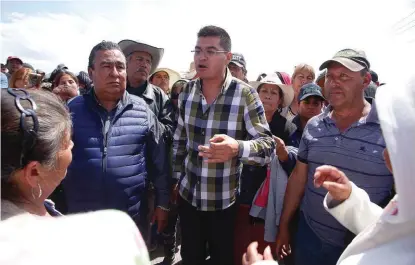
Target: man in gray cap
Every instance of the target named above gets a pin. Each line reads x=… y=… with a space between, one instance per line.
x=142 y=61
x=349 y=137
x=237 y=66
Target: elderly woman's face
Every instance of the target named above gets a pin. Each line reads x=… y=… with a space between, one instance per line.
x=52 y=178
x=302 y=78
x=67 y=88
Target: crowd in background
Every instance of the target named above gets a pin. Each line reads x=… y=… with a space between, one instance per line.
x=229 y=161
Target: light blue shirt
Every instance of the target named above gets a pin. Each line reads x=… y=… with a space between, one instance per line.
x=4 y=80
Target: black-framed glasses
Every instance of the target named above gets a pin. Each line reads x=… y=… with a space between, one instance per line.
x=29 y=134
x=207 y=53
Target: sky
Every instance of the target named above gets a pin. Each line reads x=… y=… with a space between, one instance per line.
x=272 y=35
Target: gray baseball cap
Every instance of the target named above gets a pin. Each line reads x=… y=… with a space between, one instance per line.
x=354 y=60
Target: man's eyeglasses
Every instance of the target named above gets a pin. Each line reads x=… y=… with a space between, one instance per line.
x=208 y=53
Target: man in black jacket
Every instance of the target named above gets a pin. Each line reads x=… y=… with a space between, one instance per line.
x=142 y=61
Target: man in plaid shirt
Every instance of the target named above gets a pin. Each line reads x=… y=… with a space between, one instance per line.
x=221 y=125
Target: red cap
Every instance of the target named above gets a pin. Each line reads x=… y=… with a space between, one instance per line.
x=14 y=58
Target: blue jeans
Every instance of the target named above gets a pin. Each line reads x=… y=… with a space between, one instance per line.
x=311 y=250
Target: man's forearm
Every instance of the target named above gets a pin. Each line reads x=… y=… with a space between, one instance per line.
x=293 y=195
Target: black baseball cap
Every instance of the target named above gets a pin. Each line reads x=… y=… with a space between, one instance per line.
x=239 y=60
x=309 y=90
x=374 y=75
x=354 y=60
x=62 y=66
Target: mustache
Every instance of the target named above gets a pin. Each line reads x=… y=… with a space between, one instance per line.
x=141 y=69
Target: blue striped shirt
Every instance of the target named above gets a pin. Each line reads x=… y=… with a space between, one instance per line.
x=356 y=151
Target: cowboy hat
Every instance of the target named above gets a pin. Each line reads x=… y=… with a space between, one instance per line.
x=130 y=46
x=173 y=75
x=273 y=79
x=191 y=73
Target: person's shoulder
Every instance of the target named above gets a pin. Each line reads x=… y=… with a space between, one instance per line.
x=76 y=101
x=240 y=84
x=140 y=105
x=157 y=91
x=245 y=90
x=154 y=88
x=316 y=121
x=136 y=100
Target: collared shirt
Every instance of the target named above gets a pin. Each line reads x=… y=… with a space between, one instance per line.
x=236 y=112
x=357 y=152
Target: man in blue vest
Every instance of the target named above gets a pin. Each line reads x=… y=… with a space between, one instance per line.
x=119 y=145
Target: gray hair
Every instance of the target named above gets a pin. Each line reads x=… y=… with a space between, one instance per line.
x=54 y=125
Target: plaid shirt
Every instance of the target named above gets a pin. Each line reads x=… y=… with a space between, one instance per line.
x=236 y=112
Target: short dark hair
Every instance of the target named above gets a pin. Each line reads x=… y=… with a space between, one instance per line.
x=84 y=78
x=102 y=46
x=213 y=31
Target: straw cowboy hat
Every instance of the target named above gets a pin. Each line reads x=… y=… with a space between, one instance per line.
x=130 y=46
x=173 y=75
x=273 y=79
x=191 y=73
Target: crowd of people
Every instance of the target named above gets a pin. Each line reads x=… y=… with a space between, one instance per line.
x=292 y=168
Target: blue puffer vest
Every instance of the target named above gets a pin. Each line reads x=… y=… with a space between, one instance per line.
x=108 y=172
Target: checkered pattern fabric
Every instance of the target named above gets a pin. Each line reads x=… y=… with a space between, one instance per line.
x=236 y=112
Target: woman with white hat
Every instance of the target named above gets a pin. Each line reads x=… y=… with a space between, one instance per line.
x=274 y=96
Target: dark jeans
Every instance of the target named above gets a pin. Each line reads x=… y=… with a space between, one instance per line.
x=199 y=228
x=311 y=250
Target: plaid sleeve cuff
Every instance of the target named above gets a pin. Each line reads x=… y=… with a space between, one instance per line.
x=244 y=149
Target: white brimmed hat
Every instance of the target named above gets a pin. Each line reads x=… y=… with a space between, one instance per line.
x=173 y=75
x=130 y=46
x=273 y=79
x=191 y=73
